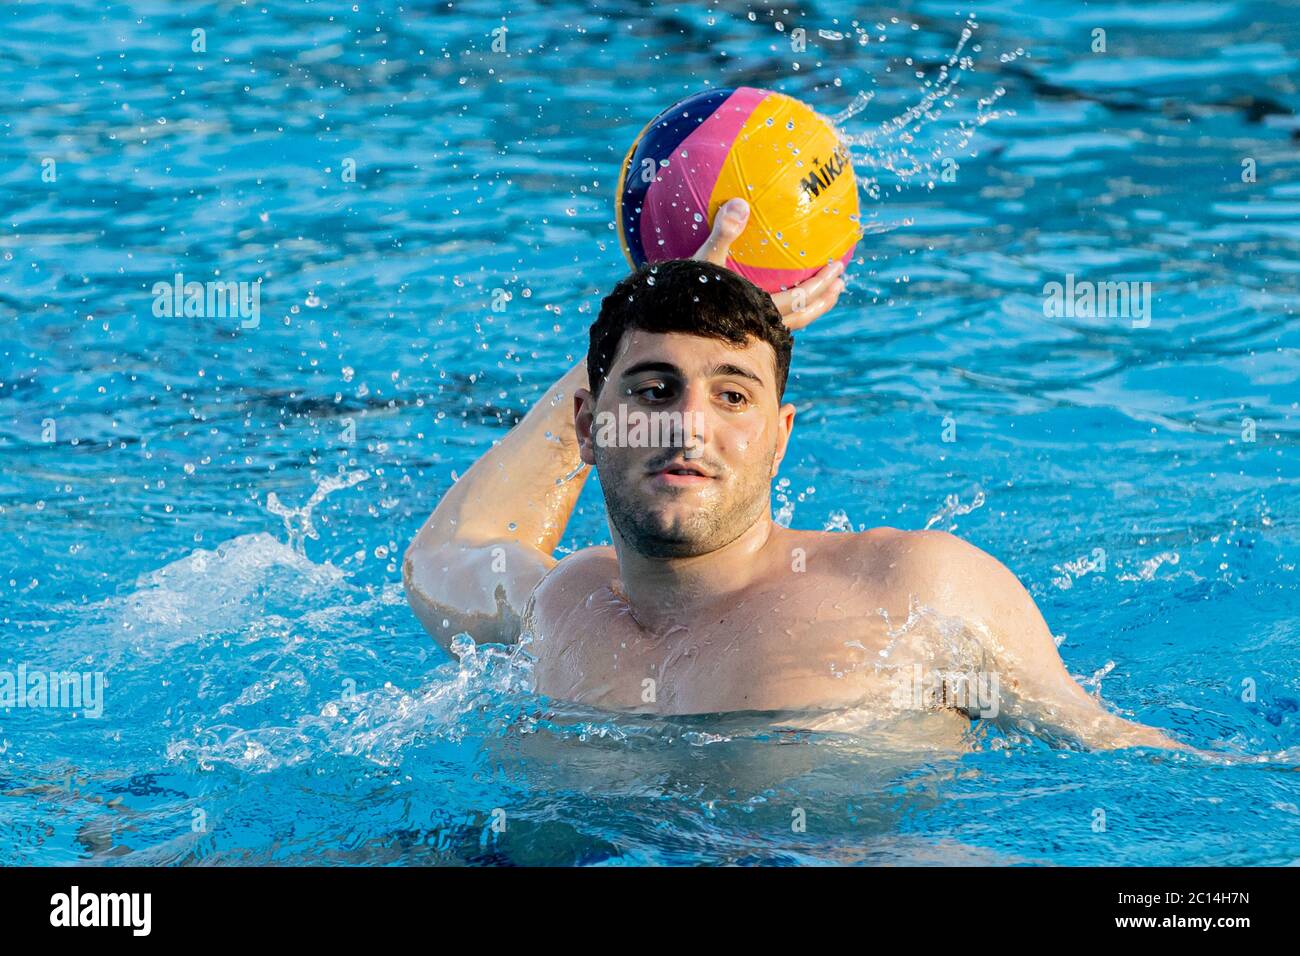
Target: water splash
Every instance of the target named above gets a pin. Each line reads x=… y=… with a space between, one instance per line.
x=1093 y=683
x=952 y=508
x=785 y=507
x=895 y=148
x=484 y=692
x=297 y=521
x=1150 y=566
x=946 y=642
x=1071 y=571
x=838 y=520
x=565 y=479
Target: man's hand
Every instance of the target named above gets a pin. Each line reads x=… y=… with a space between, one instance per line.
x=818 y=294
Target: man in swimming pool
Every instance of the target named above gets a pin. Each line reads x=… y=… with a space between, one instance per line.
x=703 y=603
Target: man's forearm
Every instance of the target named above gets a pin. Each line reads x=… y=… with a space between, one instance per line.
x=517 y=490
x=478 y=557
x=1063 y=711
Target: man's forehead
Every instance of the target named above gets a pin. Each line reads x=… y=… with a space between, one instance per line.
x=693 y=353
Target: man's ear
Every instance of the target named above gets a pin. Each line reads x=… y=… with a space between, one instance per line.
x=784 y=426
x=584 y=414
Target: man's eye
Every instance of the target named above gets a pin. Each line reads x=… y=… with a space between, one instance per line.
x=737 y=399
x=654 y=393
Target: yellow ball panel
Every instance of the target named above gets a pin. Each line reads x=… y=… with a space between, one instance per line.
x=798 y=179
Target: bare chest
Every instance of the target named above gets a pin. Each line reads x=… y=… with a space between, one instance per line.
x=810 y=649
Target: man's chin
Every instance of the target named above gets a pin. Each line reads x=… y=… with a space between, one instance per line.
x=668 y=530
x=672 y=546
x=671 y=533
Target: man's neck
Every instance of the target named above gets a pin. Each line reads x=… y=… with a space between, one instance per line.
x=667 y=592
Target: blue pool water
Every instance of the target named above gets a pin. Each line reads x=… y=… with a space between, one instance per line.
x=269 y=696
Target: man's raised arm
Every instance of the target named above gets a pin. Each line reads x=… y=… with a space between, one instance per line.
x=490 y=540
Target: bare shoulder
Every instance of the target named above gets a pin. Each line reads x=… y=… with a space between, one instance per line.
x=916 y=549
x=566 y=587
x=938 y=568
x=925 y=552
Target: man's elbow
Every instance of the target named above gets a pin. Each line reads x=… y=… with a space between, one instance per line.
x=448 y=597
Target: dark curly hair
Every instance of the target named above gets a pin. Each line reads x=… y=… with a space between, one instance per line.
x=692 y=297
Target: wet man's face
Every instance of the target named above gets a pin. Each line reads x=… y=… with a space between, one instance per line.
x=686 y=436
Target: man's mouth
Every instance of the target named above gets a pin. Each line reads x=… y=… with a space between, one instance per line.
x=680 y=472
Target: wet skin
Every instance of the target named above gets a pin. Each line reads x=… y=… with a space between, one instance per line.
x=702 y=604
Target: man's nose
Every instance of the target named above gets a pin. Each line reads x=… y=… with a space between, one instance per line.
x=696 y=417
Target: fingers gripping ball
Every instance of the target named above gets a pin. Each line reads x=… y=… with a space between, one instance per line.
x=767 y=148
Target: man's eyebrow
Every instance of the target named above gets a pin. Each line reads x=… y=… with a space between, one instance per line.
x=736 y=370
x=637 y=369
x=669 y=369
